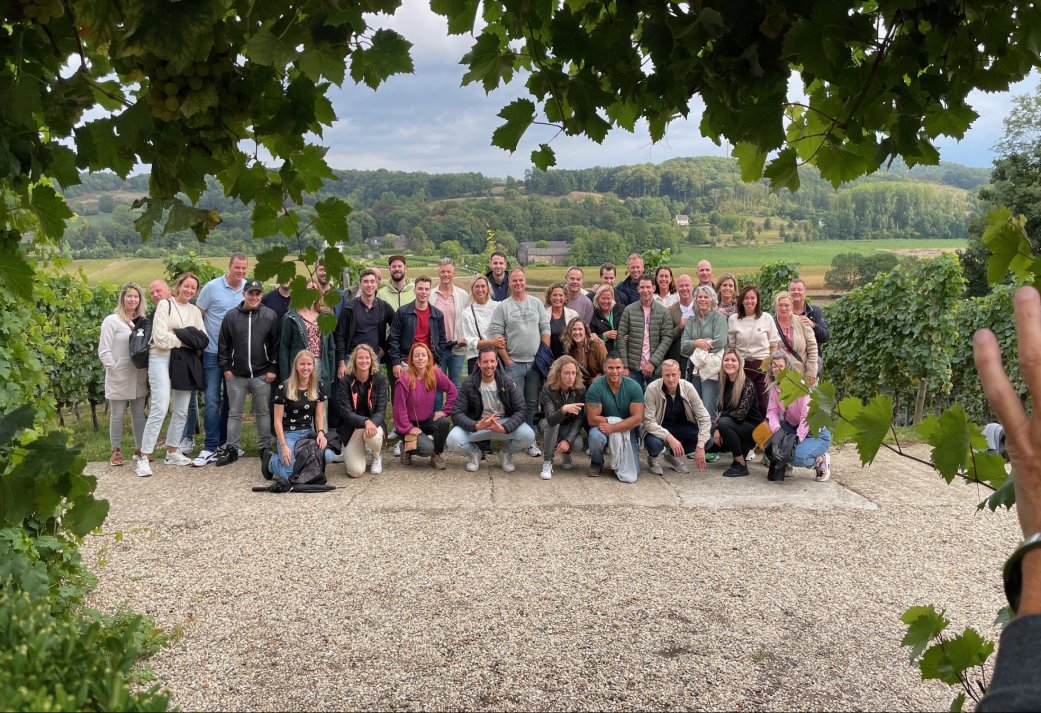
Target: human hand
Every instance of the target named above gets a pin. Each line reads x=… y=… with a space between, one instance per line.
x=228 y=375
x=286 y=453
x=806 y=321
x=370 y=429
x=269 y=377
x=648 y=370
x=699 y=458
x=675 y=446
x=611 y=334
x=563 y=447
x=322 y=440
x=397 y=371
x=341 y=370
x=717 y=438
x=438 y=415
x=572 y=409
x=499 y=342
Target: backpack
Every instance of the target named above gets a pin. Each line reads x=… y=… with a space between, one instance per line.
x=308 y=471
x=140 y=342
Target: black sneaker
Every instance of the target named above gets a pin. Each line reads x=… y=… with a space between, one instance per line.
x=265 y=463
x=735 y=471
x=227 y=456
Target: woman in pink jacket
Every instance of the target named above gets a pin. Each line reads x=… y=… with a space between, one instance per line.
x=414 y=413
x=810 y=451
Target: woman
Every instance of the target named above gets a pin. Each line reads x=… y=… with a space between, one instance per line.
x=753 y=333
x=123 y=381
x=300 y=331
x=299 y=412
x=665 y=287
x=726 y=293
x=476 y=318
x=703 y=341
x=170 y=315
x=414 y=413
x=362 y=396
x=606 y=315
x=563 y=402
x=737 y=413
x=587 y=351
x=559 y=316
x=797 y=339
x=810 y=451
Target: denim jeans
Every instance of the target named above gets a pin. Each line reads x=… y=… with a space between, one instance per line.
x=215 y=413
x=162 y=395
x=193 y=416
x=529 y=380
x=551 y=437
x=237 y=388
x=452 y=366
x=282 y=471
x=708 y=390
x=809 y=449
x=465 y=442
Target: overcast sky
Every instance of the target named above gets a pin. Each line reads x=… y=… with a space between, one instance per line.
x=428 y=122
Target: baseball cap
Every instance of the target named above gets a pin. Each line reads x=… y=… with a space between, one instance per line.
x=252 y=286
x=392 y=258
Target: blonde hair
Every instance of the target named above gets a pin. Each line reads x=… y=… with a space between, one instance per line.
x=553 y=377
x=739 y=380
x=596 y=295
x=293 y=382
x=181 y=279
x=554 y=286
x=121 y=311
x=782 y=295
x=352 y=369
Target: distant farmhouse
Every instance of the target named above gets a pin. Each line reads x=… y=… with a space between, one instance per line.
x=556 y=253
x=683 y=220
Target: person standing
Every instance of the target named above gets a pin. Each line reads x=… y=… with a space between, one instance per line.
x=606 y=316
x=278 y=300
x=477 y=318
x=219 y=295
x=701 y=345
x=399 y=291
x=366 y=320
x=577 y=300
x=124 y=382
x=247 y=352
x=675 y=421
x=704 y=272
x=416 y=322
x=559 y=316
x=489 y=407
x=524 y=322
x=452 y=301
x=607 y=275
x=797 y=337
x=665 y=287
x=498 y=281
x=726 y=294
x=614 y=406
x=680 y=312
x=754 y=334
x=810 y=315
x=645 y=334
x=626 y=292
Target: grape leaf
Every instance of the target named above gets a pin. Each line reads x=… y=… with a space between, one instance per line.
x=783 y=171
x=489 y=61
x=949 y=437
x=50 y=210
x=543 y=157
x=388 y=54
x=519 y=115
x=268 y=49
x=924 y=624
x=16 y=274
x=750 y=159
x=331 y=222
x=461 y=14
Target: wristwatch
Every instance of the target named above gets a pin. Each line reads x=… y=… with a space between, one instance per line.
x=1013 y=571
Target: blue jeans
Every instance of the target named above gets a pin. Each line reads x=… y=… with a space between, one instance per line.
x=809 y=449
x=465 y=442
x=215 y=413
x=528 y=378
x=708 y=390
x=279 y=470
x=598 y=443
x=452 y=365
x=637 y=376
x=193 y=416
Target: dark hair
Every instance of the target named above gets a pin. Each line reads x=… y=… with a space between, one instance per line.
x=501 y=254
x=607 y=266
x=648 y=277
x=672 y=281
x=485 y=350
x=614 y=354
x=366 y=272
x=424 y=278
x=741 y=302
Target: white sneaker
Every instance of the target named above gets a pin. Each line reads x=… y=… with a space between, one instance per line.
x=506 y=459
x=751 y=456
x=475 y=462
x=176 y=458
x=534 y=451
x=142 y=469
x=186 y=446
x=676 y=464
x=377 y=464
x=397 y=449
x=241 y=452
x=566 y=462
x=654 y=465
x=204 y=458
x=337 y=457
x=823 y=467
x=547 y=470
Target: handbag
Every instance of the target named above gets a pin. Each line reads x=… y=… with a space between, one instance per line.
x=140 y=341
x=411 y=441
x=762 y=434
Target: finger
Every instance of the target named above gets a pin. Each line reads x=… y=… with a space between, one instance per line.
x=1028 y=337
x=999 y=392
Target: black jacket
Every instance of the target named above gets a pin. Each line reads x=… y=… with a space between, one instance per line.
x=599 y=324
x=499 y=292
x=247 y=345
x=469 y=407
x=347 y=391
x=625 y=293
x=553 y=401
x=186 y=372
x=343 y=335
x=403 y=333
x=820 y=327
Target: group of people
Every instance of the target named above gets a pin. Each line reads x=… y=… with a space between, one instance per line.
x=653 y=363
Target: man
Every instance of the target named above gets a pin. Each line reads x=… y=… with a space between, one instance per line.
x=278 y=300
x=399 y=291
x=607 y=273
x=524 y=322
x=644 y=333
x=158 y=290
x=217 y=298
x=705 y=273
x=674 y=420
x=626 y=293
x=577 y=299
x=497 y=276
x=489 y=407
x=366 y=320
x=417 y=321
x=617 y=397
x=336 y=301
x=247 y=353
x=452 y=301
x=680 y=313
x=811 y=316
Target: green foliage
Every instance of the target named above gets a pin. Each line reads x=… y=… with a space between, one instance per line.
x=947 y=659
x=772 y=277
x=849 y=270
x=176 y=265
x=653 y=259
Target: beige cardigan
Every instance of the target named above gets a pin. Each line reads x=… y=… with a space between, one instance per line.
x=804 y=343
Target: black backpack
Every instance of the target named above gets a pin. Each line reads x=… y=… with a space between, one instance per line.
x=140 y=341
x=308 y=471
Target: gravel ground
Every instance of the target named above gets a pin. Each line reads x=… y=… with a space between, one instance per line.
x=442 y=591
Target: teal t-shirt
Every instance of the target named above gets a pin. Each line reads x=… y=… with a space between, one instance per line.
x=614 y=404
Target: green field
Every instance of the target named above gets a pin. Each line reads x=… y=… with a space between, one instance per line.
x=814 y=259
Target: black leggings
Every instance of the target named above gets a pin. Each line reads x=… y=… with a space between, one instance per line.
x=432 y=440
x=736 y=435
x=758 y=378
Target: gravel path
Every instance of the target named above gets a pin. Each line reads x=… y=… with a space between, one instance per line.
x=437 y=591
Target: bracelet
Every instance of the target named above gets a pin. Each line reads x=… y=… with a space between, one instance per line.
x=1013 y=570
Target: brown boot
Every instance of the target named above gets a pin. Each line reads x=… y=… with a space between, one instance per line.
x=437 y=462
x=117 y=457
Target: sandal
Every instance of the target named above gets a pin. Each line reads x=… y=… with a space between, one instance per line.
x=117 y=457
